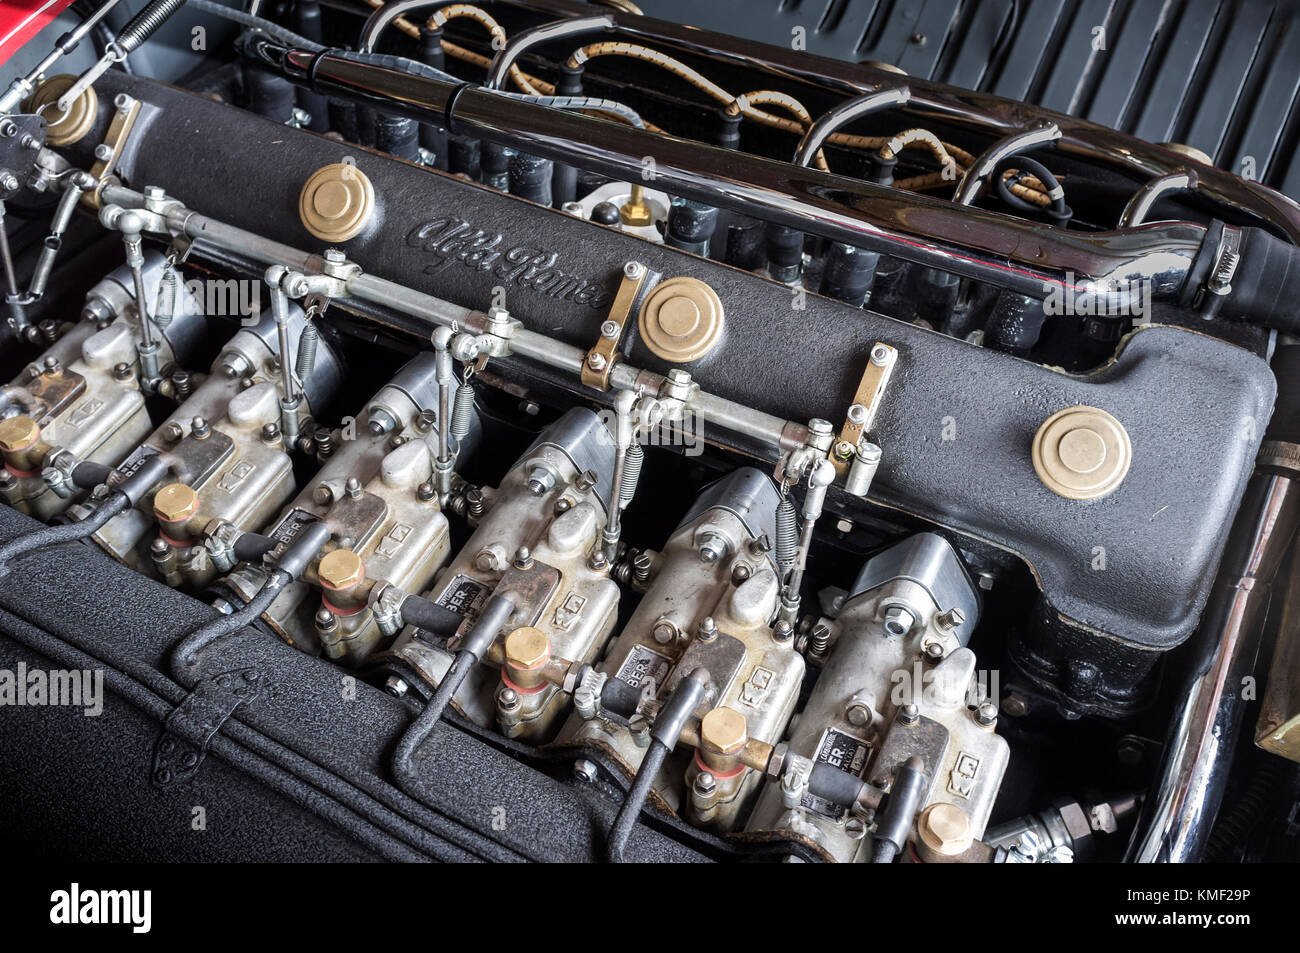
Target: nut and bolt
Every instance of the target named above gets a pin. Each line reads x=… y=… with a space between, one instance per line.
x=708 y=629
x=909 y=714
x=881 y=355
x=121 y=371
x=352 y=487
x=596 y=361
x=199 y=428
x=585 y=770
x=986 y=715
x=523 y=558
x=507 y=699
x=950 y=619
x=899 y=620
x=425 y=492
x=706 y=785
x=665 y=632
x=270 y=433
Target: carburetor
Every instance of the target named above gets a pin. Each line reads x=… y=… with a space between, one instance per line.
x=375 y=493
x=897 y=684
x=713 y=604
x=225 y=451
x=539 y=542
x=83 y=401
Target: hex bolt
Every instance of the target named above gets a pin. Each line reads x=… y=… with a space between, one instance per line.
x=950 y=619
x=909 y=714
x=708 y=629
x=585 y=770
x=986 y=715
x=899 y=620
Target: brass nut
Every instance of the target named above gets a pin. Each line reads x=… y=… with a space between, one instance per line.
x=681 y=319
x=175 y=502
x=1081 y=453
x=336 y=202
x=527 y=648
x=945 y=829
x=723 y=731
x=341 y=569
x=64 y=126
x=18 y=434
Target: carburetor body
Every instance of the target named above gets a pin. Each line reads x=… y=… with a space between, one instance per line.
x=536 y=542
x=712 y=603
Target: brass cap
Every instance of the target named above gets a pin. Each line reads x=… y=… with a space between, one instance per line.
x=945 y=829
x=527 y=648
x=723 y=731
x=64 y=126
x=1081 y=453
x=336 y=202
x=681 y=319
x=18 y=433
x=175 y=501
x=340 y=569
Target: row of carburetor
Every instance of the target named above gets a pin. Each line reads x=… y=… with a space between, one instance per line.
x=891 y=741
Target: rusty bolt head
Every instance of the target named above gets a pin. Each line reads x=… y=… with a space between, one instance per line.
x=341 y=569
x=527 y=648
x=175 y=502
x=945 y=829
x=723 y=731
x=18 y=433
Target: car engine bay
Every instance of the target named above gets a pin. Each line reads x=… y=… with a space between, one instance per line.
x=531 y=429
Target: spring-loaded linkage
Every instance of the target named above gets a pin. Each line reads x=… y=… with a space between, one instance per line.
x=631 y=474
x=462 y=412
x=168 y=285
x=787 y=534
x=307 y=344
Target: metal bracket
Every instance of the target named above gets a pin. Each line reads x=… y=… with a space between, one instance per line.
x=866 y=403
x=604 y=354
x=189 y=729
x=109 y=152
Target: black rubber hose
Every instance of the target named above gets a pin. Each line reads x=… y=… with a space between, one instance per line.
x=1058 y=212
x=484 y=632
x=88 y=475
x=122 y=498
x=665 y=731
x=251 y=547
x=896 y=816
x=289 y=567
x=428 y=615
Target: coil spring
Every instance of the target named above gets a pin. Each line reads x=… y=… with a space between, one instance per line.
x=307 y=351
x=631 y=474
x=143 y=25
x=462 y=412
x=787 y=534
x=182 y=384
x=165 y=309
x=474 y=506
x=324 y=442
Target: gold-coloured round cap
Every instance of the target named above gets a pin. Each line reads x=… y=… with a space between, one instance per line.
x=64 y=126
x=336 y=202
x=175 y=501
x=723 y=731
x=1189 y=152
x=340 y=569
x=18 y=433
x=945 y=828
x=1082 y=453
x=681 y=319
x=527 y=647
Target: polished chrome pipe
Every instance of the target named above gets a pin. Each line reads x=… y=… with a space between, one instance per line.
x=1178 y=815
x=1145 y=198
x=1002 y=250
x=982 y=169
x=507 y=57
x=844 y=114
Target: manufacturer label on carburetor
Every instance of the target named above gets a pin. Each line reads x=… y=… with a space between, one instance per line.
x=465 y=596
x=643 y=664
x=840 y=750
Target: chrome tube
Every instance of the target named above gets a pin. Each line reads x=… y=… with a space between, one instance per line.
x=844 y=114
x=1178 y=814
x=383 y=17
x=982 y=169
x=1145 y=198
x=985 y=246
x=507 y=57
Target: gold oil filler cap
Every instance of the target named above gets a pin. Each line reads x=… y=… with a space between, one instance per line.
x=336 y=202
x=1082 y=453
x=681 y=319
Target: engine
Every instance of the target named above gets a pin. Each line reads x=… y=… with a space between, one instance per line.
x=850 y=469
